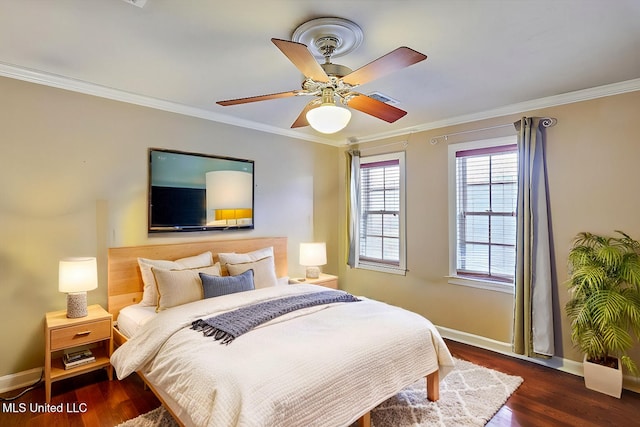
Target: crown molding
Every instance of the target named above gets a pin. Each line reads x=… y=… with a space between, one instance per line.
x=550 y=101
x=80 y=86
x=61 y=82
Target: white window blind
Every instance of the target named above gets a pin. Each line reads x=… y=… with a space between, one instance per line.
x=380 y=212
x=486 y=200
x=380 y=244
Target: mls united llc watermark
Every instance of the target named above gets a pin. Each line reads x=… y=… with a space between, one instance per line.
x=42 y=408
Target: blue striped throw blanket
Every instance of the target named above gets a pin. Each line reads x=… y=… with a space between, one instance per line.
x=230 y=325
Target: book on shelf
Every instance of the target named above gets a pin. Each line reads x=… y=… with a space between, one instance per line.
x=77 y=353
x=77 y=357
x=79 y=362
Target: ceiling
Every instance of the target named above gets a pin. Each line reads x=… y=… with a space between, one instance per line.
x=485 y=57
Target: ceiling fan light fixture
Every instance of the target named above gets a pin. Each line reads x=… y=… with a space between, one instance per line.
x=328 y=118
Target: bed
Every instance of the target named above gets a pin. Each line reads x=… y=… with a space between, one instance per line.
x=326 y=365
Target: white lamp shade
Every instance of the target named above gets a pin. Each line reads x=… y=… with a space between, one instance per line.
x=229 y=190
x=328 y=118
x=77 y=275
x=313 y=254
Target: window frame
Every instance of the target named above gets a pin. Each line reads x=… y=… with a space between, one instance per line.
x=453 y=278
x=373 y=264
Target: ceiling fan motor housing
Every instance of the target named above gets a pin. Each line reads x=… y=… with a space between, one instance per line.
x=335 y=70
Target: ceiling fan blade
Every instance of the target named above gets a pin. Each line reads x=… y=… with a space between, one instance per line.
x=258 y=98
x=300 y=56
x=375 y=108
x=301 y=121
x=395 y=60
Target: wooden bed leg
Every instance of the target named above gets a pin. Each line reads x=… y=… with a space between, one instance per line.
x=365 y=420
x=433 y=394
x=433 y=386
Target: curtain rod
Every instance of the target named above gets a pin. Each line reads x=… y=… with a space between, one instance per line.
x=546 y=122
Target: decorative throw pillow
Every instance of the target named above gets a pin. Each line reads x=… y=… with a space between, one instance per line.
x=264 y=272
x=177 y=287
x=150 y=294
x=215 y=286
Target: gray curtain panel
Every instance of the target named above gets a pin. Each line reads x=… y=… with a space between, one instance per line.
x=533 y=312
x=353 y=205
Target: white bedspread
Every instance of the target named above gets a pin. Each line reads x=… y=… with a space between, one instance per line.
x=321 y=366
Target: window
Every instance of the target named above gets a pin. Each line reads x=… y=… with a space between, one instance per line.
x=381 y=241
x=483 y=187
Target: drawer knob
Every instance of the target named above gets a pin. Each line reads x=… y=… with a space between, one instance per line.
x=83 y=333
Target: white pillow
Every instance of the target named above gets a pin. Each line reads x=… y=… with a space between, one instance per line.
x=264 y=273
x=150 y=294
x=262 y=262
x=234 y=258
x=177 y=287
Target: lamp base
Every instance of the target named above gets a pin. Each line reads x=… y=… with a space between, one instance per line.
x=313 y=272
x=77 y=305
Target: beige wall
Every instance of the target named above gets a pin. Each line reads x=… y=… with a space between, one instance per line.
x=593 y=156
x=74 y=179
x=74 y=176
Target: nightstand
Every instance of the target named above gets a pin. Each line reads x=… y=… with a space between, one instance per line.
x=327 y=280
x=62 y=333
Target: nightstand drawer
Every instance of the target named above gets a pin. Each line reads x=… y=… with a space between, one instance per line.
x=71 y=336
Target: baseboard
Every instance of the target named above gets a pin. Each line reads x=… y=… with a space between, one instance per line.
x=20 y=379
x=561 y=364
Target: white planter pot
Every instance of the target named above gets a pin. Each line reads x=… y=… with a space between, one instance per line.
x=602 y=378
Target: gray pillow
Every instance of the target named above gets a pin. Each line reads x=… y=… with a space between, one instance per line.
x=215 y=286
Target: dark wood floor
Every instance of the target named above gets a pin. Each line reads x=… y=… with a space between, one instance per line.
x=546 y=398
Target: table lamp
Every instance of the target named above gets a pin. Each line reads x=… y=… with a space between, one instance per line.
x=76 y=277
x=313 y=255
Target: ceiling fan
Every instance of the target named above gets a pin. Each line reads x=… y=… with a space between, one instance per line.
x=327 y=81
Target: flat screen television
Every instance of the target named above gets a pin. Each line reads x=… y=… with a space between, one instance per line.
x=199 y=192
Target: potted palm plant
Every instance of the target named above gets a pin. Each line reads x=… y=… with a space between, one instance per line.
x=604 y=306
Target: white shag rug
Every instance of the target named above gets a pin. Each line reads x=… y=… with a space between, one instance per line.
x=469 y=397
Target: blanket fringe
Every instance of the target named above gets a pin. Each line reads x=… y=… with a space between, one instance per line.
x=211 y=331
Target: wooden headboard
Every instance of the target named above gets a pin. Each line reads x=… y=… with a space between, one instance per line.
x=124 y=282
